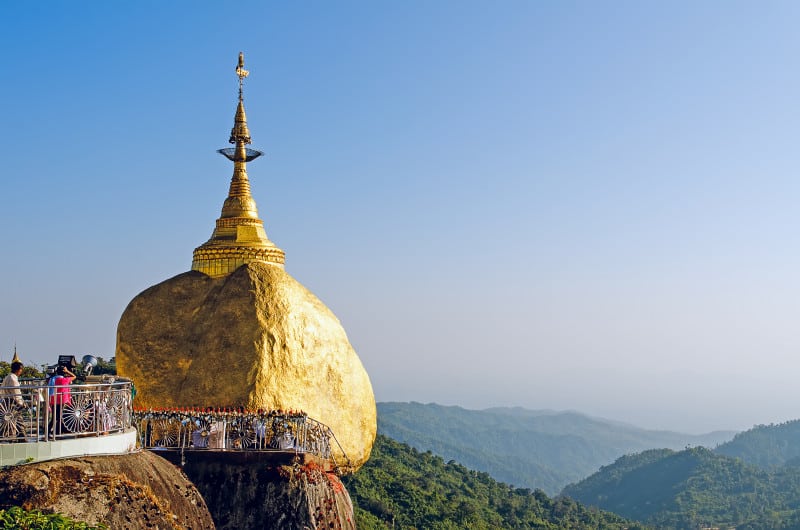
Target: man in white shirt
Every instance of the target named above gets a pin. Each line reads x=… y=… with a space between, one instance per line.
x=11 y=384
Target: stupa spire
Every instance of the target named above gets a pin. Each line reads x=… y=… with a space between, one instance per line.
x=239 y=236
x=16 y=358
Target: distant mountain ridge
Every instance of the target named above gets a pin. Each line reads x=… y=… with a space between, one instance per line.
x=766 y=446
x=533 y=449
x=750 y=482
x=693 y=488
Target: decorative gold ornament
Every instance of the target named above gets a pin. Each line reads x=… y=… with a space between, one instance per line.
x=239 y=236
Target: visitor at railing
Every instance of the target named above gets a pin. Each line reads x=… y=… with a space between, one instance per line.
x=59 y=395
x=11 y=383
x=12 y=398
x=93 y=407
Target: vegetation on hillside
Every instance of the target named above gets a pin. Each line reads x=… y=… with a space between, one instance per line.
x=766 y=446
x=694 y=488
x=400 y=487
x=535 y=449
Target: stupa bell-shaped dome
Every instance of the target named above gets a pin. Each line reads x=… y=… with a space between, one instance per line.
x=239 y=331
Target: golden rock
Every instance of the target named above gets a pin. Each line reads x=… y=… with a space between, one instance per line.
x=238 y=330
x=255 y=338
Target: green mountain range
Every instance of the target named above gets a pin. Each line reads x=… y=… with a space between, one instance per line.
x=528 y=448
x=751 y=482
x=400 y=487
x=766 y=446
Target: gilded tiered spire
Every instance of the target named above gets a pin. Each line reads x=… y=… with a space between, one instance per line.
x=16 y=358
x=239 y=236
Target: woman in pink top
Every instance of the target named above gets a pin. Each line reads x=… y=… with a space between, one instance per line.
x=60 y=395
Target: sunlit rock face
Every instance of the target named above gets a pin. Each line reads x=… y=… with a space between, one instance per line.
x=255 y=338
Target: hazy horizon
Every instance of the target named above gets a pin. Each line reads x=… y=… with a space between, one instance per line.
x=553 y=205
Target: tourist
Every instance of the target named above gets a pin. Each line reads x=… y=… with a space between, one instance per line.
x=13 y=398
x=11 y=384
x=60 y=395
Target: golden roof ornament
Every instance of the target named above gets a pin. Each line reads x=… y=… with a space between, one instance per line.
x=239 y=235
x=16 y=358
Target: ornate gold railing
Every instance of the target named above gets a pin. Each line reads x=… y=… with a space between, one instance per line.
x=94 y=408
x=235 y=430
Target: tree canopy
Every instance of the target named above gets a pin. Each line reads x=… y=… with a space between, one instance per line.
x=693 y=488
x=400 y=487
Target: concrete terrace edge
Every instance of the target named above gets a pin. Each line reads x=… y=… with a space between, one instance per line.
x=12 y=454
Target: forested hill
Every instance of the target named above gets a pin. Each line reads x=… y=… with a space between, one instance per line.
x=766 y=446
x=534 y=449
x=400 y=487
x=694 y=488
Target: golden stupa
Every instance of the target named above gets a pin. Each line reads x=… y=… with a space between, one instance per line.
x=238 y=330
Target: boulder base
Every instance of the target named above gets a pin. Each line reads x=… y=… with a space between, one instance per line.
x=245 y=493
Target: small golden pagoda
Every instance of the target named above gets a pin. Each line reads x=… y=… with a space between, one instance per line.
x=239 y=331
x=16 y=358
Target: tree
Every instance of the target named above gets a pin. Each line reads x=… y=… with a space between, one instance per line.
x=105 y=367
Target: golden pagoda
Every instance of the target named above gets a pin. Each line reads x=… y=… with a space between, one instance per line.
x=239 y=236
x=239 y=331
x=16 y=358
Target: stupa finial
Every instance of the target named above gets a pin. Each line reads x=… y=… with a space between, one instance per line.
x=240 y=134
x=239 y=236
x=241 y=73
x=16 y=358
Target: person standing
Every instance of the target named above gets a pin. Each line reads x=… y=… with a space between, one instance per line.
x=11 y=384
x=14 y=404
x=60 y=395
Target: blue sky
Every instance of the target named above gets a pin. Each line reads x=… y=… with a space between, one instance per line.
x=564 y=205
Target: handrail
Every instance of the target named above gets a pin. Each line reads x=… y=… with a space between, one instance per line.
x=235 y=430
x=29 y=413
x=104 y=405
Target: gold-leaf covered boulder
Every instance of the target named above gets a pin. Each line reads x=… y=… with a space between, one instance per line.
x=239 y=331
x=254 y=338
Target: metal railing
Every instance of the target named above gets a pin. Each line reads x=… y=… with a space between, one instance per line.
x=236 y=430
x=33 y=412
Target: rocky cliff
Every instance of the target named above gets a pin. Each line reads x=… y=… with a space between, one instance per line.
x=243 y=493
x=133 y=492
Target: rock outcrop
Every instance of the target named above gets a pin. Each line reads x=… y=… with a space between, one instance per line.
x=255 y=338
x=136 y=491
x=247 y=494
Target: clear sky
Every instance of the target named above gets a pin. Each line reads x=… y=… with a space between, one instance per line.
x=562 y=205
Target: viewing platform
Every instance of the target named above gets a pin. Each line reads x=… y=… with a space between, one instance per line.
x=97 y=417
x=275 y=437
x=94 y=418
